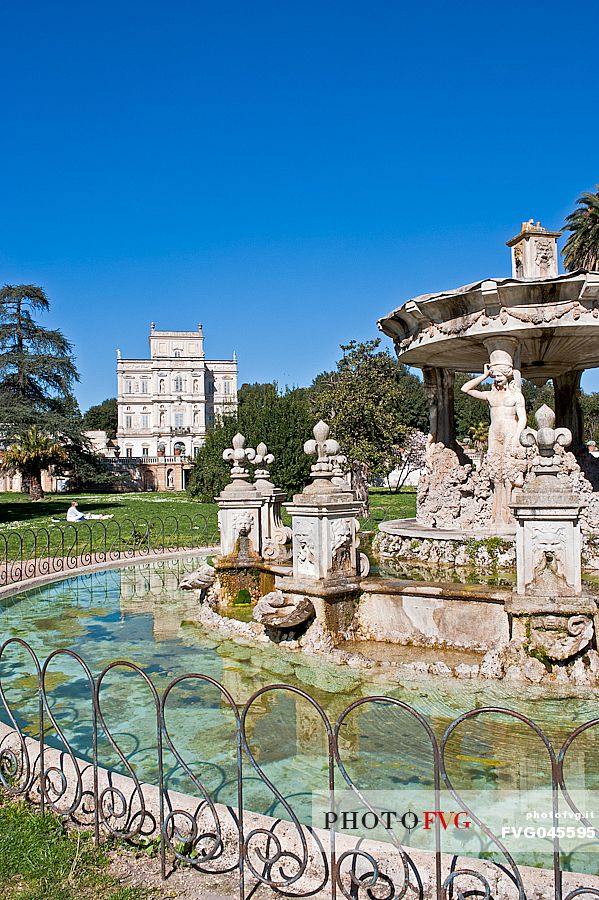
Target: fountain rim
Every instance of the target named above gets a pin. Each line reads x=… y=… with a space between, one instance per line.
x=450 y=329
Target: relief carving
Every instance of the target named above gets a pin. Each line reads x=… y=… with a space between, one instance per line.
x=341 y=539
x=561 y=638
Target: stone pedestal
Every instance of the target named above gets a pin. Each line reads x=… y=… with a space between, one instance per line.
x=548 y=540
x=239 y=513
x=325 y=538
x=275 y=543
x=551 y=619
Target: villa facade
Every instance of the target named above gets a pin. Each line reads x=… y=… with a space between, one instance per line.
x=166 y=403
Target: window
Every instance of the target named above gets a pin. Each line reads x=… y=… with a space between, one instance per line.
x=145 y=451
x=226 y=387
x=128 y=386
x=178 y=383
x=177 y=353
x=144 y=386
x=178 y=420
x=129 y=451
x=145 y=421
x=128 y=421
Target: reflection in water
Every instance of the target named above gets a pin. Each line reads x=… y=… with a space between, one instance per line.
x=139 y=614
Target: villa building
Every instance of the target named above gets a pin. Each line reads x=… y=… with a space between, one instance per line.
x=167 y=402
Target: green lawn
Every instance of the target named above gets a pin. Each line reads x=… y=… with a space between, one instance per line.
x=135 y=523
x=385 y=505
x=26 y=528
x=41 y=860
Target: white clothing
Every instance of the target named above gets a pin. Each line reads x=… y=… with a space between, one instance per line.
x=73 y=514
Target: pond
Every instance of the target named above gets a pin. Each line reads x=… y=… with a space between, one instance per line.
x=139 y=614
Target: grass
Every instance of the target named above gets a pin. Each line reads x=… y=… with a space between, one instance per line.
x=133 y=516
x=134 y=521
x=385 y=505
x=41 y=860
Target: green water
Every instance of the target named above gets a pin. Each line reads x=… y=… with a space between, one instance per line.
x=139 y=614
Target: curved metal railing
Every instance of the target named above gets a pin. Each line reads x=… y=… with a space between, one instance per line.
x=54 y=549
x=211 y=828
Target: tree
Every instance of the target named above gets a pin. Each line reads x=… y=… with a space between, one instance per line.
x=102 y=417
x=469 y=412
x=281 y=419
x=29 y=454
x=363 y=401
x=37 y=371
x=581 y=250
x=479 y=435
x=408 y=458
x=590 y=412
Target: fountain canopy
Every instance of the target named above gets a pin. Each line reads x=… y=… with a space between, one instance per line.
x=553 y=318
x=537 y=324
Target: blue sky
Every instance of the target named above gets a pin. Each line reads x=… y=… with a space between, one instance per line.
x=284 y=173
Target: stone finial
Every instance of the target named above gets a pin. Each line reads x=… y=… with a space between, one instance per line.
x=262 y=460
x=239 y=455
x=322 y=447
x=338 y=474
x=546 y=439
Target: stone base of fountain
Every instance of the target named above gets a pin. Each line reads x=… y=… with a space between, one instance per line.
x=242 y=578
x=333 y=600
x=480 y=548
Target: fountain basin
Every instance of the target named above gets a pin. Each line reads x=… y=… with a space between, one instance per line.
x=483 y=548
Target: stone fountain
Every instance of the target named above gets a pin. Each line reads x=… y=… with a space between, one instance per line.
x=536 y=324
x=552 y=619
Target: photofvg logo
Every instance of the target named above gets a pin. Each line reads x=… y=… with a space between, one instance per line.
x=524 y=821
x=412 y=818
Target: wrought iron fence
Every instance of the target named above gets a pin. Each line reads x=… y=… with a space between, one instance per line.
x=212 y=827
x=58 y=548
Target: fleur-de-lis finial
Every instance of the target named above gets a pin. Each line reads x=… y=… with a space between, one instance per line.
x=323 y=448
x=262 y=460
x=546 y=439
x=239 y=455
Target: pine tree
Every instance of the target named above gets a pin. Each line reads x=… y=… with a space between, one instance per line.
x=37 y=372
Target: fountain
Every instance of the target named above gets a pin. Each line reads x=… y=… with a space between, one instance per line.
x=530 y=499
x=537 y=324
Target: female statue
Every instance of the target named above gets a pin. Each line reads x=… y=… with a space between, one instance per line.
x=508 y=420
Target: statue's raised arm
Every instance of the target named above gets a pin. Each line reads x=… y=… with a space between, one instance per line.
x=470 y=386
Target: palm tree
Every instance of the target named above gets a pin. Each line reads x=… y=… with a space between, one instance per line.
x=29 y=454
x=581 y=250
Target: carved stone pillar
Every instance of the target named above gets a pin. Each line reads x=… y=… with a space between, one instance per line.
x=568 y=410
x=439 y=386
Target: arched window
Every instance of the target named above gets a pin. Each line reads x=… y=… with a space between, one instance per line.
x=177 y=353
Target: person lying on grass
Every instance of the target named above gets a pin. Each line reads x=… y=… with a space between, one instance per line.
x=75 y=515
